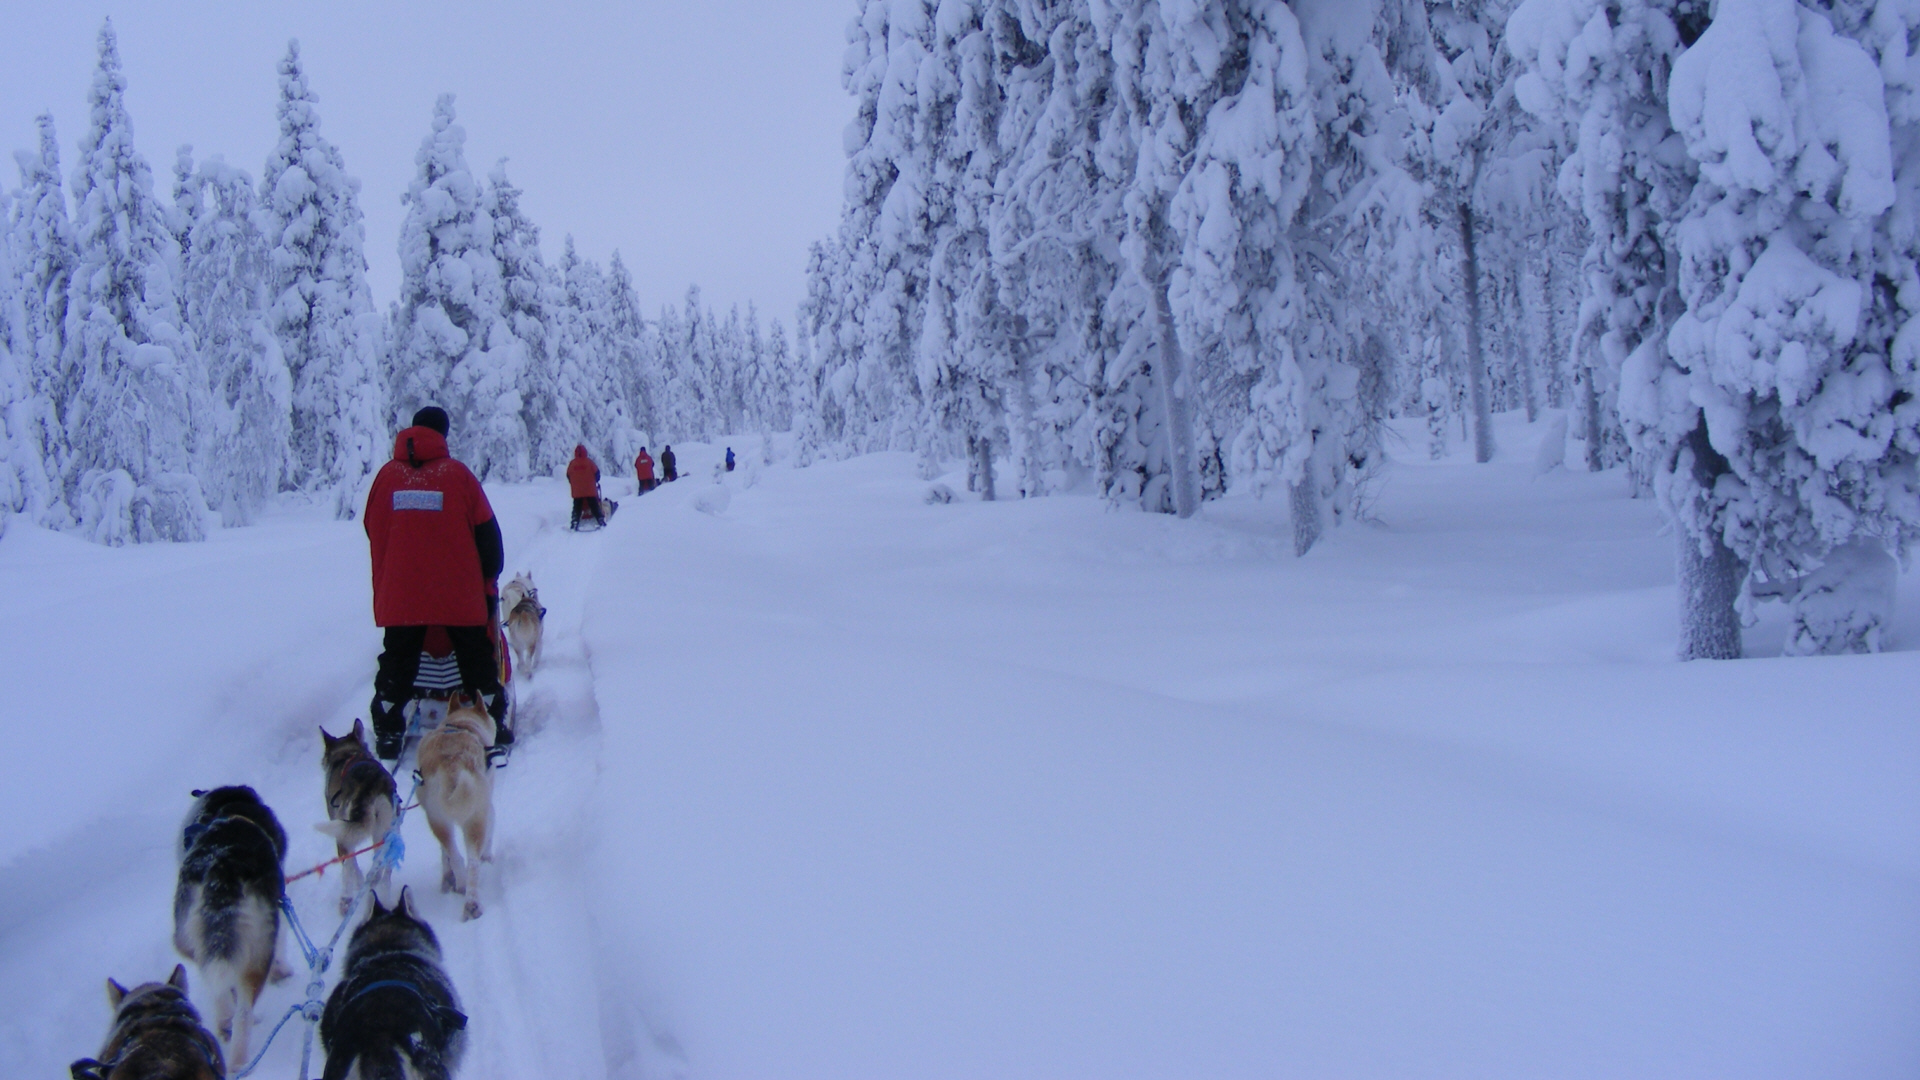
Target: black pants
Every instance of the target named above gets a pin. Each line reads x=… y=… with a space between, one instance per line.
x=584 y=506
x=400 y=661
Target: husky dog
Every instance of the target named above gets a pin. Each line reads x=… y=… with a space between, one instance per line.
x=521 y=601
x=226 y=907
x=394 y=1013
x=360 y=803
x=456 y=790
x=156 y=1033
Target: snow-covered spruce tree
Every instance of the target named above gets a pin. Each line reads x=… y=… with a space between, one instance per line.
x=1358 y=254
x=1598 y=69
x=40 y=243
x=518 y=341
x=1780 y=412
x=450 y=307
x=133 y=421
x=592 y=385
x=969 y=362
x=823 y=331
x=320 y=309
x=628 y=329
x=867 y=354
x=224 y=296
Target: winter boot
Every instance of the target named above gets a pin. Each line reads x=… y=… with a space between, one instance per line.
x=389 y=729
x=502 y=747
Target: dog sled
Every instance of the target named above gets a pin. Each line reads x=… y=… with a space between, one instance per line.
x=438 y=680
x=587 y=524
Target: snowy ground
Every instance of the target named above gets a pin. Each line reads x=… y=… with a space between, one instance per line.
x=833 y=783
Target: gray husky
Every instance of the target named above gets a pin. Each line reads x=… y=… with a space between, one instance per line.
x=394 y=1015
x=226 y=907
x=360 y=804
x=156 y=1034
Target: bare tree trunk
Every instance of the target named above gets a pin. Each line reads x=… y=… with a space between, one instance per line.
x=1303 y=507
x=1026 y=448
x=1592 y=396
x=1476 y=354
x=1710 y=573
x=1170 y=372
x=983 y=458
x=1530 y=335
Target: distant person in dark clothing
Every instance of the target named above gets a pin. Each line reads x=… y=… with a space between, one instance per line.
x=729 y=459
x=668 y=467
x=583 y=479
x=643 y=468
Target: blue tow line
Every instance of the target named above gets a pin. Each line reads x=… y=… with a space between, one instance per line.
x=319 y=958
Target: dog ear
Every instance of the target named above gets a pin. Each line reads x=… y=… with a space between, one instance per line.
x=378 y=910
x=359 y=731
x=405 y=906
x=178 y=980
x=326 y=739
x=115 y=994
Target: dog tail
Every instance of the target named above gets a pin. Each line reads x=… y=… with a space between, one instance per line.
x=336 y=829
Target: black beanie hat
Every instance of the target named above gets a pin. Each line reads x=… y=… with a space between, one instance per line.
x=433 y=416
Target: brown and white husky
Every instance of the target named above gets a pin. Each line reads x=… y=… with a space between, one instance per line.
x=456 y=791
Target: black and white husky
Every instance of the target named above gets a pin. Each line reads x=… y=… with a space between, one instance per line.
x=394 y=1015
x=226 y=907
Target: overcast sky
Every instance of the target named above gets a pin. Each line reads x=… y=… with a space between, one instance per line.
x=700 y=138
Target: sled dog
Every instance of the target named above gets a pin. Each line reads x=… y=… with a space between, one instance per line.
x=361 y=801
x=226 y=906
x=155 y=1033
x=394 y=1013
x=525 y=620
x=456 y=791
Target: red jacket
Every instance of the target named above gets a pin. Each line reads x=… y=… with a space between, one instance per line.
x=421 y=519
x=583 y=476
x=644 y=465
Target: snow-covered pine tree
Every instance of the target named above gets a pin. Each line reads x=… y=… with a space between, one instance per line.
x=638 y=379
x=1598 y=71
x=520 y=338
x=1776 y=412
x=321 y=311
x=224 y=297
x=866 y=353
x=450 y=301
x=133 y=421
x=40 y=241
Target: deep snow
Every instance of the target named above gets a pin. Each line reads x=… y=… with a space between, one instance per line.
x=834 y=783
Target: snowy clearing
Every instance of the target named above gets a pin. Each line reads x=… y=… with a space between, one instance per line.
x=835 y=783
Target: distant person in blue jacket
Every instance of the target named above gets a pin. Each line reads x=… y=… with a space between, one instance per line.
x=729 y=459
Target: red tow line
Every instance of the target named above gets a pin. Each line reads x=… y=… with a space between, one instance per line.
x=311 y=870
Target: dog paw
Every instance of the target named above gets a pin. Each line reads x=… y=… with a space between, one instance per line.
x=280 y=973
x=471 y=911
x=346 y=904
x=447 y=883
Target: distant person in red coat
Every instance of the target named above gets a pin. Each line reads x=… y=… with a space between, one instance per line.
x=437 y=558
x=583 y=478
x=643 y=468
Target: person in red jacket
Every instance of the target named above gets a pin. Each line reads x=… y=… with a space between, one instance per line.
x=583 y=478
x=437 y=558
x=643 y=467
